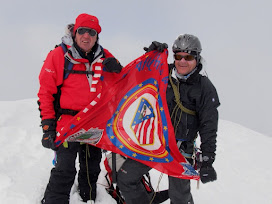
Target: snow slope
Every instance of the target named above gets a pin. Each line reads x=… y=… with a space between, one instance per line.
x=243 y=163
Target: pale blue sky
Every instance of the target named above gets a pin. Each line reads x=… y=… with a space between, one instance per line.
x=235 y=36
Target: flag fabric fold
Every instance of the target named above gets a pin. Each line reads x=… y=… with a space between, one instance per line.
x=129 y=116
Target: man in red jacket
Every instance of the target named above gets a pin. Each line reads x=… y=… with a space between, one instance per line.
x=62 y=97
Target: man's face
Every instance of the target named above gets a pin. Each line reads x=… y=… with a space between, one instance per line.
x=184 y=67
x=85 y=41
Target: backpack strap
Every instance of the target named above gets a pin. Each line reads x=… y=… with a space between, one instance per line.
x=68 y=66
x=69 y=70
x=69 y=63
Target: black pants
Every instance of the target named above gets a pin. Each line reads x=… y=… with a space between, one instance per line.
x=180 y=191
x=129 y=182
x=63 y=174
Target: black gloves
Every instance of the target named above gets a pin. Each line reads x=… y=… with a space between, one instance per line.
x=207 y=172
x=156 y=46
x=111 y=64
x=49 y=136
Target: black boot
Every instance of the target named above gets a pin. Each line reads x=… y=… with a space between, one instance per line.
x=85 y=193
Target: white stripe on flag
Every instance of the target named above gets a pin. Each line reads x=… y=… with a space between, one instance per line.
x=93 y=103
x=149 y=133
x=142 y=134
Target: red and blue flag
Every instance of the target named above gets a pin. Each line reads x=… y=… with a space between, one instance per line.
x=129 y=116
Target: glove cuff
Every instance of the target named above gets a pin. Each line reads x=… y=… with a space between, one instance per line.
x=48 y=125
x=208 y=158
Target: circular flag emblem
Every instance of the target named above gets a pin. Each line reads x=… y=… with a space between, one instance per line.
x=138 y=127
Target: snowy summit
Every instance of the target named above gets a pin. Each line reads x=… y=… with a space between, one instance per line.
x=242 y=163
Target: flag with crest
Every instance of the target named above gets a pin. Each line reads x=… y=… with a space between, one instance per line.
x=129 y=116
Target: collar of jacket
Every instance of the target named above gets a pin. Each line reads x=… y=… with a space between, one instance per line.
x=192 y=77
x=86 y=55
x=77 y=54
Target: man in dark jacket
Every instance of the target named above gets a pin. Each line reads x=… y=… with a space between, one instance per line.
x=72 y=94
x=192 y=101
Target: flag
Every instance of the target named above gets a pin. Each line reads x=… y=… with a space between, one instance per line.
x=129 y=116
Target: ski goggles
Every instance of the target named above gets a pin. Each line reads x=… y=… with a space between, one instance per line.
x=90 y=31
x=186 y=57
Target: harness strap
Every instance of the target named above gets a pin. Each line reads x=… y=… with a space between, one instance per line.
x=186 y=155
x=179 y=143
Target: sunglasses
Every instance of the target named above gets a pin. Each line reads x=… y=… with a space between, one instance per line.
x=186 y=57
x=90 y=31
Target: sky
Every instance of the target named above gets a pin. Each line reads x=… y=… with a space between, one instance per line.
x=244 y=177
x=235 y=37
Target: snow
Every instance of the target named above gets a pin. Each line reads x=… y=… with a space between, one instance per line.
x=243 y=163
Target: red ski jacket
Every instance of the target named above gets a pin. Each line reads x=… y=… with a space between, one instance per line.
x=75 y=90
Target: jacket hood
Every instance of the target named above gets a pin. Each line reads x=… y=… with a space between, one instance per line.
x=75 y=51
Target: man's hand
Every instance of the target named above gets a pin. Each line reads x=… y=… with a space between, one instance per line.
x=156 y=46
x=207 y=172
x=49 y=136
x=111 y=64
